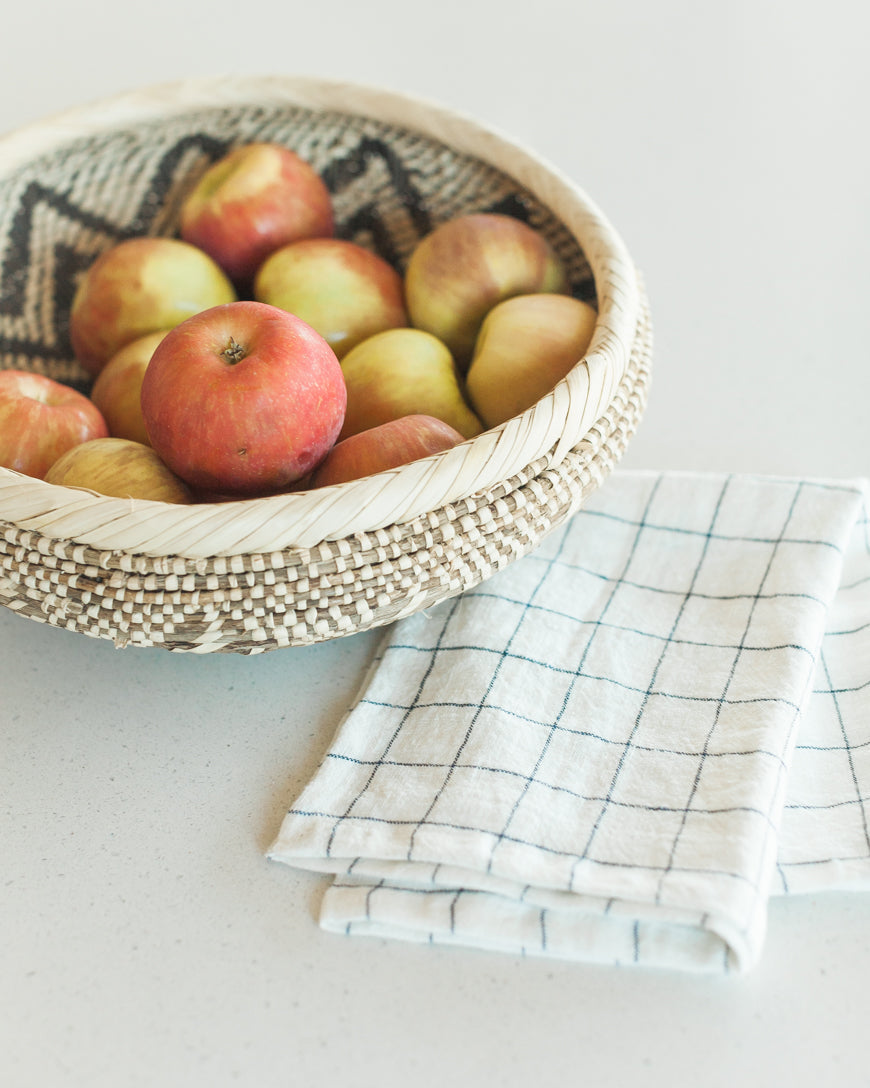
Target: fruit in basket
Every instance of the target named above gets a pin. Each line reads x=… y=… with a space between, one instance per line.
x=116 y=392
x=403 y=372
x=466 y=265
x=243 y=398
x=389 y=445
x=40 y=419
x=140 y=286
x=343 y=290
x=251 y=202
x=119 y=468
x=525 y=346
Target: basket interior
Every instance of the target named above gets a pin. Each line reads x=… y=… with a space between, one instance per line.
x=60 y=210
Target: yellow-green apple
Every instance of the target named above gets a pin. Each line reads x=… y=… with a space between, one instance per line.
x=243 y=398
x=343 y=290
x=461 y=269
x=116 y=391
x=120 y=468
x=386 y=446
x=40 y=419
x=403 y=372
x=526 y=345
x=251 y=202
x=139 y=286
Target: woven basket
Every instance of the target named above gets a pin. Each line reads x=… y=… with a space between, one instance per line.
x=259 y=574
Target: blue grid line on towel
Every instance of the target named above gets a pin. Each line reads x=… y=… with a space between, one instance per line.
x=693 y=645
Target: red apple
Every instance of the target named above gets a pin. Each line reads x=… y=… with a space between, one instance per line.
x=256 y=199
x=121 y=468
x=140 y=286
x=458 y=272
x=40 y=419
x=243 y=399
x=117 y=390
x=386 y=446
x=341 y=289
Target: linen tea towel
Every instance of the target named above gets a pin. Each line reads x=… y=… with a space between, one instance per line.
x=617 y=748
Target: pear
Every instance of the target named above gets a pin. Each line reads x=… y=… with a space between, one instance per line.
x=467 y=265
x=402 y=372
x=525 y=346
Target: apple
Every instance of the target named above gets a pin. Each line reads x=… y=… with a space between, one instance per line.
x=139 y=286
x=387 y=446
x=525 y=346
x=40 y=419
x=344 y=291
x=403 y=372
x=121 y=468
x=461 y=269
x=243 y=398
x=251 y=202
x=116 y=391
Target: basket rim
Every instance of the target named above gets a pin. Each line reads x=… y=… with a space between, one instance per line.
x=550 y=428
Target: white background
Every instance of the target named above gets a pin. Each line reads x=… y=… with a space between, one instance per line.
x=143 y=938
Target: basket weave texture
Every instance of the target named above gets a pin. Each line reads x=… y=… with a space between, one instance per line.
x=291 y=570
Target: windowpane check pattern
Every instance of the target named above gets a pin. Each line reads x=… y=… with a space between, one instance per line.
x=618 y=748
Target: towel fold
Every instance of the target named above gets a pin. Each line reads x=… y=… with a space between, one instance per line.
x=618 y=748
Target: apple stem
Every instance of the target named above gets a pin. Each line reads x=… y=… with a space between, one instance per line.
x=233 y=352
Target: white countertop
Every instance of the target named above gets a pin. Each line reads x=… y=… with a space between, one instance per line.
x=144 y=940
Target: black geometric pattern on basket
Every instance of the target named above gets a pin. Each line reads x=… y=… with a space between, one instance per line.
x=58 y=213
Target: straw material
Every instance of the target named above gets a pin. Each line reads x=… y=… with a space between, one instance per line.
x=294 y=569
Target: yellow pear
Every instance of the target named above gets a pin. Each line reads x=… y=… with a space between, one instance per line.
x=402 y=372
x=525 y=346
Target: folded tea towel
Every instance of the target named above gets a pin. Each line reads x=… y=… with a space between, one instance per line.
x=619 y=747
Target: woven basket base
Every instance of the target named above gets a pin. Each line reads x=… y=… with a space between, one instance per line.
x=257 y=602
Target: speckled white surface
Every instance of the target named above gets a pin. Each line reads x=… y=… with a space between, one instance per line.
x=144 y=938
